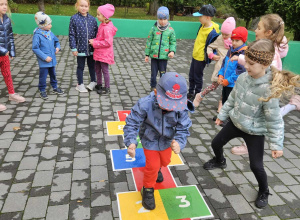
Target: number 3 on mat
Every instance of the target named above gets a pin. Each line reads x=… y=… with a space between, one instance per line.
x=183 y=200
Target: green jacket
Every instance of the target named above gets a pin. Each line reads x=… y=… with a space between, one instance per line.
x=160 y=43
x=252 y=116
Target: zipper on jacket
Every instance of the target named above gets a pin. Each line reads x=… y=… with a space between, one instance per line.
x=87 y=36
x=160 y=44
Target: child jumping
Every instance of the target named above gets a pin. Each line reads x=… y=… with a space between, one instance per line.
x=253 y=109
x=207 y=34
x=221 y=45
x=83 y=27
x=45 y=45
x=161 y=45
x=162 y=121
x=7 y=50
x=103 y=46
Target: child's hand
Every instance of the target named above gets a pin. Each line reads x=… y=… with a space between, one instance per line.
x=220 y=81
x=48 y=59
x=131 y=150
x=216 y=57
x=175 y=147
x=56 y=50
x=234 y=58
x=75 y=53
x=219 y=122
x=146 y=59
x=277 y=153
x=171 y=54
x=91 y=41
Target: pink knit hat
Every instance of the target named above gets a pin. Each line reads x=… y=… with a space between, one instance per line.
x=228 y=25
x=107 y=10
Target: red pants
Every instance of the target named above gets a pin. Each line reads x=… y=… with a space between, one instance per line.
x=154 y=161
x=5 y=70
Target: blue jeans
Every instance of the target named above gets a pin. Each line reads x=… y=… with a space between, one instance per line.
x=157 y=65
x=43 y=77
x=196 y=76
x=80 y=68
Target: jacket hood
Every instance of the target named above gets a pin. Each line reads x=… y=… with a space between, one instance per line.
x=111 y=26
x=236 y=49
x=39 y=31
x=284 y=48
x=216 y=26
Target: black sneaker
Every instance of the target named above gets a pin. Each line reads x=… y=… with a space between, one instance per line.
x=190 y=96
x=213 y=164
x=104 y=91
x=160 y=177
x=215 y=118
x=99 y=88
x=58 y=91
x=262 y=199
x=148 y=200
x=43 y=95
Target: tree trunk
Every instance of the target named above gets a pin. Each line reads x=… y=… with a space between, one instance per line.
x=247 y=24
x=41 y=5
x=172 y=10
x=153 y=7
x=297 y=35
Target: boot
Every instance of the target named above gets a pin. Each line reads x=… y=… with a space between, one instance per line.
x=148 y=200
x=160 y=177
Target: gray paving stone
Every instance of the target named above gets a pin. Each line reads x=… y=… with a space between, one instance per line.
x=80 y=190
x=60 y=197
x=18 y=146
x=42 y=178
x=5 y=143
x=99 y=173
x=3 y=190
x=49 y=152
x=99 y=213
x=20 y=187
x=36 y=207
x=239 y=204
x=61 y=182
x=46 y=165
x=80 y=174
x=15 y=202
x=28 y=163
x=237 y=177
x=81 y=163
x=287 y=179
x=59 y=212
x=98 y=159
x=100 y=199
x=80 y=210
x=217 y=198
x=13 y=156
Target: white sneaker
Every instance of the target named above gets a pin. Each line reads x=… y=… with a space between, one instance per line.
x=91 y=86
x=81 y=88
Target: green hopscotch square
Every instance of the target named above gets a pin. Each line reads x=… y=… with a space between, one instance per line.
x=139 y=142
x=184 y=202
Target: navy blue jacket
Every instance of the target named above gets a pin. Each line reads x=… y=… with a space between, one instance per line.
x=81 y=30
x=230 y=70
x=43 y=48
x=156 y=130
x=213 y=35
x=7 y=43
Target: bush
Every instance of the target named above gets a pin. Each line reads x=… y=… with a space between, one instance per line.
x=13 y=6
x=225 y=11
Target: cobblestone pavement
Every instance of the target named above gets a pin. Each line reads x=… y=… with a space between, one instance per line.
x=54 y=154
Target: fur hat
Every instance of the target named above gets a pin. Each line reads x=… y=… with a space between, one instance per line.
x=41 y=19
x=107 y=10
x=163 y=13
x=240 y=33
x=228 y=25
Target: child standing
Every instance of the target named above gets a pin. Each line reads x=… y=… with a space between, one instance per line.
x=103 y=46
x=7 y=50
x=162 y=121
x=221 y=45
x=253 y=109
x=207 y=33
x=83 y=27
x=161 y=45
x=45 y=45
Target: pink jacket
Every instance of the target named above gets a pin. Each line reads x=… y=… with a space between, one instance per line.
x=103 y=43
x=279 y=54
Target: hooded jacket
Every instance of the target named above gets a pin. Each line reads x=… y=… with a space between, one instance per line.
x=81 y=30
x=251 y=115
x=156 y=130
x=103 y=43
x=44 y=47
x=6 y=37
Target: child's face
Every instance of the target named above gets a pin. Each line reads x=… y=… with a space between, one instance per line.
x=163 y=22
x=100 y=16
x=226 y=36
x=204 y=20
x=255 y=70
x=83 y=7
x=237 y=43
x=260 y=31
x=48 y=27
x=3 y=7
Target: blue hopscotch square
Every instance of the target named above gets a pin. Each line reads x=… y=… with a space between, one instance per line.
x=122 y=161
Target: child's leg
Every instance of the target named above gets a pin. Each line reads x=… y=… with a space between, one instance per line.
x=80 y=68
x=104 y=67
x=154 y=69
x=210 y=88
x=152 y=167
x=53 y=80
x=5 y=70
x=162 y=66
x=293 y=105
x=198 y=68
x=98 y=72
x=91 y=65
x=43 y=78
x=165 y=157
x=225 y=93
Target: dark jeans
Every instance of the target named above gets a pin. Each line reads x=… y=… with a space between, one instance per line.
x=43 y=78
x=255 y=144
x=80 y=68
x=196 y=76
x=157 y=65
x=225 y=93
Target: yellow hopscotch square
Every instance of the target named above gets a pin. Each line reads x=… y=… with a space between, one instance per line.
x=130 y=207
x=115 y=127
x=175 y=160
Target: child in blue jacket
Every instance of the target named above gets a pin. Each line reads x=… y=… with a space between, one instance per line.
x=162 y=121
x=45 y=45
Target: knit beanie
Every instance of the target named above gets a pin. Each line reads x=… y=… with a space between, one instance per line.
x=41 y=19
x=107 y=10
x=163 y=13
x=228 y=25
x=240 y=33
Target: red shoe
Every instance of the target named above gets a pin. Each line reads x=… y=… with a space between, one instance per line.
x=2 y=108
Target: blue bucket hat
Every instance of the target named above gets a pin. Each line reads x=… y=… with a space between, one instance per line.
x=163 y=13
x=207 y=10
x=172 y=92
